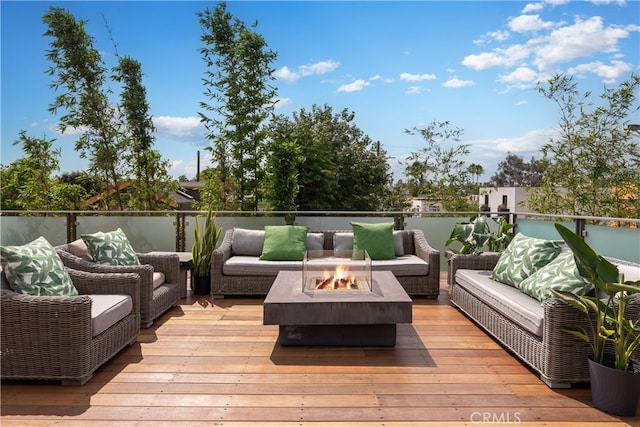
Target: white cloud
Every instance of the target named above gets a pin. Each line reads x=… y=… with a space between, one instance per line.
x=455 y=82
x=528 y=23
x=508 y=57
x=609 y=73
x=286 y=74
x=500 y=36
x=533 y=7
x=354 y=86
x=282 y=102
x=322 y=67
x=416 y=77
x=414 y=90
x=181 y=127
x=530 y=142
x=582 y=39
x=520 y=74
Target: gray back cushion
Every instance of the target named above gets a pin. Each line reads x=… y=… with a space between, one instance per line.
x=247 y=242
x=250 y=242
x=315 y=241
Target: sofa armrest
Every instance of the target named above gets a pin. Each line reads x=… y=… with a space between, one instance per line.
x=108 y=284
x=145 y=271
x=168 y=264
x=30 y=322
x=426 y=252
x=486 y=261
x=220 y=255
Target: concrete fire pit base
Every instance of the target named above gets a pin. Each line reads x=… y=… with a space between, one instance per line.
x=338 y=318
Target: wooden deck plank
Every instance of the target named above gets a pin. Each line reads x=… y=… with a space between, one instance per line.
x=206 y=363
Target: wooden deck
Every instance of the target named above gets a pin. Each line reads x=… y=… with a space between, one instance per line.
x=205 y=364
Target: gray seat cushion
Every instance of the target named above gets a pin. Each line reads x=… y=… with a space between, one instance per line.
x=252 y=266
x=406 y=265
x=507 y=300
x=107 y=310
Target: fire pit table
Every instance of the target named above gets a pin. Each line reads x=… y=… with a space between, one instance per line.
x=367 y=316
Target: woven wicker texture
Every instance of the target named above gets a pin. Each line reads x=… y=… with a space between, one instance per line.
x=153 y=302
x=49 y=338
x=558 y=357
x=414 y=243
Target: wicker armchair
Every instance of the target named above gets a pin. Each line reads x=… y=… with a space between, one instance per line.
x=154 y=300
x=50 y=338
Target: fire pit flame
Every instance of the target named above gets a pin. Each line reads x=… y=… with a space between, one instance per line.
x=339 y=280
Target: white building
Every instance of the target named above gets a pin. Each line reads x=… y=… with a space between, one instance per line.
x=512 y=198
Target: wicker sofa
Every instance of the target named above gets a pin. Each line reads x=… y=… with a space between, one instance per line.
x=240 y=272
x=68 y=338
x=159 y=277
x=523 y=325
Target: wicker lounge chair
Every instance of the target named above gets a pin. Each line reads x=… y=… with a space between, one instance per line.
x=52 y=338
x=156 y=295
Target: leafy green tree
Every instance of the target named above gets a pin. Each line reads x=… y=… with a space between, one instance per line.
x=515 y=172
x=238 y=83
x=475 y=170
x=27 y=183
x=79 y=72
x=593 y=166
x=152 y=183
x=343 y=169
x=282 y=175
x=438 y=171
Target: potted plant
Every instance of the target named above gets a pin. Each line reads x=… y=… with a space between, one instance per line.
x=475 y=234
x=614 y=333
x=205 y=242
x=472 y=235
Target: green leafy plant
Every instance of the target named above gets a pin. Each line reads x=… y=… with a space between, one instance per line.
x=499 y=240
x=475 y=234
x=204 y=244
x=610 y=302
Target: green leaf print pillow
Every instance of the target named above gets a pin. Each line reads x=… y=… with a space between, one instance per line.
x=36 y=269
x=111 y=248
x=523 y=257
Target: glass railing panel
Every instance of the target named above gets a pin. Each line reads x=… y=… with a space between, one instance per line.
x=436 y=230
x=542 y=229
x=146 y=233
x=19 y=230
x=616 y=242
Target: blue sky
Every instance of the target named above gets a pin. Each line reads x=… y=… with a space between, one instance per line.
x=397 y=65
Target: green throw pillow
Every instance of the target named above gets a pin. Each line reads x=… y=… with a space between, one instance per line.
x=36 y=269
x=284 y=242
x=111 y=248
x=560 y=274
x=523 y=257
x=376 y=239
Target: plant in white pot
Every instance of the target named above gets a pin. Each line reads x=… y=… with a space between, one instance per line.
x=205 y=242
x=614 y=333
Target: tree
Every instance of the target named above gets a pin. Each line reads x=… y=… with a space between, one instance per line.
x=27 y=183
x=152 y=183
x=342 y=168
x=593 y=166
x=475 y=170
x=79 y=71
x=515 y=172
x=238 y=84
x=282 y=175
x=438 y=170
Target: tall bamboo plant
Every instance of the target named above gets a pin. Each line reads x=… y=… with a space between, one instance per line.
x=610 y=302
x=205 y=243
